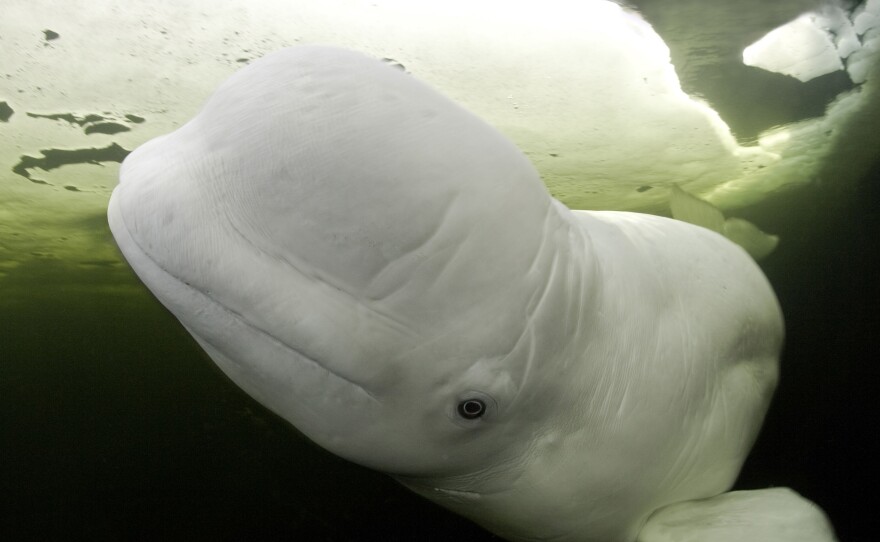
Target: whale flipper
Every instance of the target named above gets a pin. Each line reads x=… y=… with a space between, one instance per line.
x=766 y=515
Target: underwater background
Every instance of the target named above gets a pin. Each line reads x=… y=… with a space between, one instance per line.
x=114 y=425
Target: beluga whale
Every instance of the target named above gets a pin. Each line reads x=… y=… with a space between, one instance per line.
x=388 y=273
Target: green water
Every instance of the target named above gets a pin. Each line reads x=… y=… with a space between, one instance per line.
x=817 y=436
x=115 y=426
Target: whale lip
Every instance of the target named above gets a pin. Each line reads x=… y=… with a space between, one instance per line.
x=270 y=337
x=458 y=493
x=433 y=492
x=161 y=279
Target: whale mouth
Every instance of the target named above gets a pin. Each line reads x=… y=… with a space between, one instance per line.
x=176 y=293
x=470 y=487
x=267 y=336
x=467 y=503
x=458 y=493
x=439 y=494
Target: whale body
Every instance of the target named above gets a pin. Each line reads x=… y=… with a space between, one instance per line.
x=388 y=273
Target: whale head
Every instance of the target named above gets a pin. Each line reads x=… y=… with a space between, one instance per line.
x=370 y=303
x=386 y=272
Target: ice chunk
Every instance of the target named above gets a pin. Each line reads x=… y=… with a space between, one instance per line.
x=868 y=17
x=689 y=208
x=801 y=49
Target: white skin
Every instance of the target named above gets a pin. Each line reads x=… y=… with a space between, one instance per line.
x=367 y=259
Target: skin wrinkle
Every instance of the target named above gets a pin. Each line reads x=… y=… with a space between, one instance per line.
x=580 y=293
x=539 y=298
x=435 y=232
x=549 y=213
x=464 y=481
x=553 y=276
x=610 y=385
x=530 y=359
x=392 y=322
x=530 y=321
x=528 y=334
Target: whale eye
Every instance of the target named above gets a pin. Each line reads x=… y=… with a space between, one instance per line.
x=471 y=409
